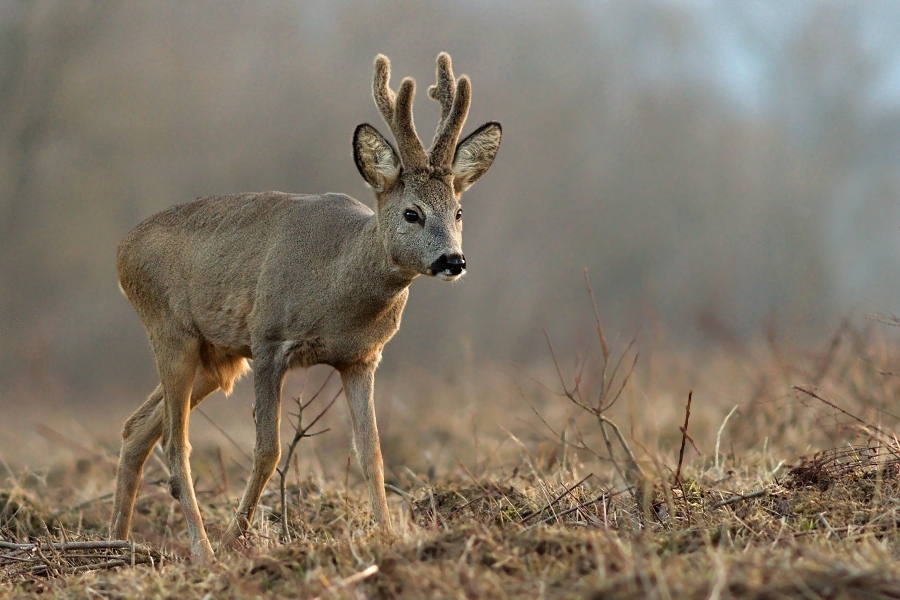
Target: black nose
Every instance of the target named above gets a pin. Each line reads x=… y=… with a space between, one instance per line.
x=450 y=264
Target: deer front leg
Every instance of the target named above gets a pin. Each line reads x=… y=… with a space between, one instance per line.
x=359 y=385
x=268 y=377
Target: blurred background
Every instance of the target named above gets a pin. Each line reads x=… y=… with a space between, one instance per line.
x=717 y=167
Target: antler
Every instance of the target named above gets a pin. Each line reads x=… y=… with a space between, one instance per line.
x=454 y=97
x=397 y=113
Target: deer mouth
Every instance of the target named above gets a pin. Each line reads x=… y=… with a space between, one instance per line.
x=446 y=276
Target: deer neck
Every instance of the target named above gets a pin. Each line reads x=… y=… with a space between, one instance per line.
x=375 y=261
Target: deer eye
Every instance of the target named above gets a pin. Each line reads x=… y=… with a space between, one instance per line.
x=411 y=216
x=459 y=214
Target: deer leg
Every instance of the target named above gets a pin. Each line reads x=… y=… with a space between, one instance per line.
x=359 y=387
x=177 y=362
x=141 y=432
x=268 y=377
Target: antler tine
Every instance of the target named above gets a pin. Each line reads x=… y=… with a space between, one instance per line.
x=454 y=97
x=445 y=88
x=396 y=110
x=381 y=91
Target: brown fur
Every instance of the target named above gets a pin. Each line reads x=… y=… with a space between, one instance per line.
x=290 y=281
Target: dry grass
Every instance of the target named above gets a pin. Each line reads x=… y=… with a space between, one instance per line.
x=510 y=490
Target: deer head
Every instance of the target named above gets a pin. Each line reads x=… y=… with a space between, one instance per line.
x=418 y=192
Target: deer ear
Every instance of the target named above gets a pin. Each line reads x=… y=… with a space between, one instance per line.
x=474 y=155
x=375 y=158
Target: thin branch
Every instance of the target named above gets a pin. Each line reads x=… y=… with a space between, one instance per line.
x=546 y=424
x=226 y=435
x=90 y=545
x=827 y=360
x=568 y=394
x=634 y=466
x=872 y=428
x=889 y=319
x=320 y=390
x=739 y=498
x=603 y=345
x=684 y=435
x=624 y=381
x=612 y=454
x=300 y=432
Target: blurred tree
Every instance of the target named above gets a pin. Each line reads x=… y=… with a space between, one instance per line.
x=630 y=147
x=39 y=44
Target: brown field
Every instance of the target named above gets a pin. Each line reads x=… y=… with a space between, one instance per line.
x=787 y=484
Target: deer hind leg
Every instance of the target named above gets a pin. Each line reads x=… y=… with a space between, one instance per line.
x=177 y=358
x=268 y=375
x=140 y=434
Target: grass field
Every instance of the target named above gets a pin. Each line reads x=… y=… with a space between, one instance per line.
x=507 y=481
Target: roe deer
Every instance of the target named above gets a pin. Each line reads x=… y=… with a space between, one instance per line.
x=292 y=281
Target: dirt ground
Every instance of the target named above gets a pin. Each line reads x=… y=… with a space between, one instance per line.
x=575 y=477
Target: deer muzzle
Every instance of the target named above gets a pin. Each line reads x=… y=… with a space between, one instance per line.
x=449 y=265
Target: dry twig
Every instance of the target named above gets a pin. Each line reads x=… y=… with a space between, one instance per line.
x=57 y=559
x=300 y=432
x=874 y=430
x=739 y=498
x=684 y=437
